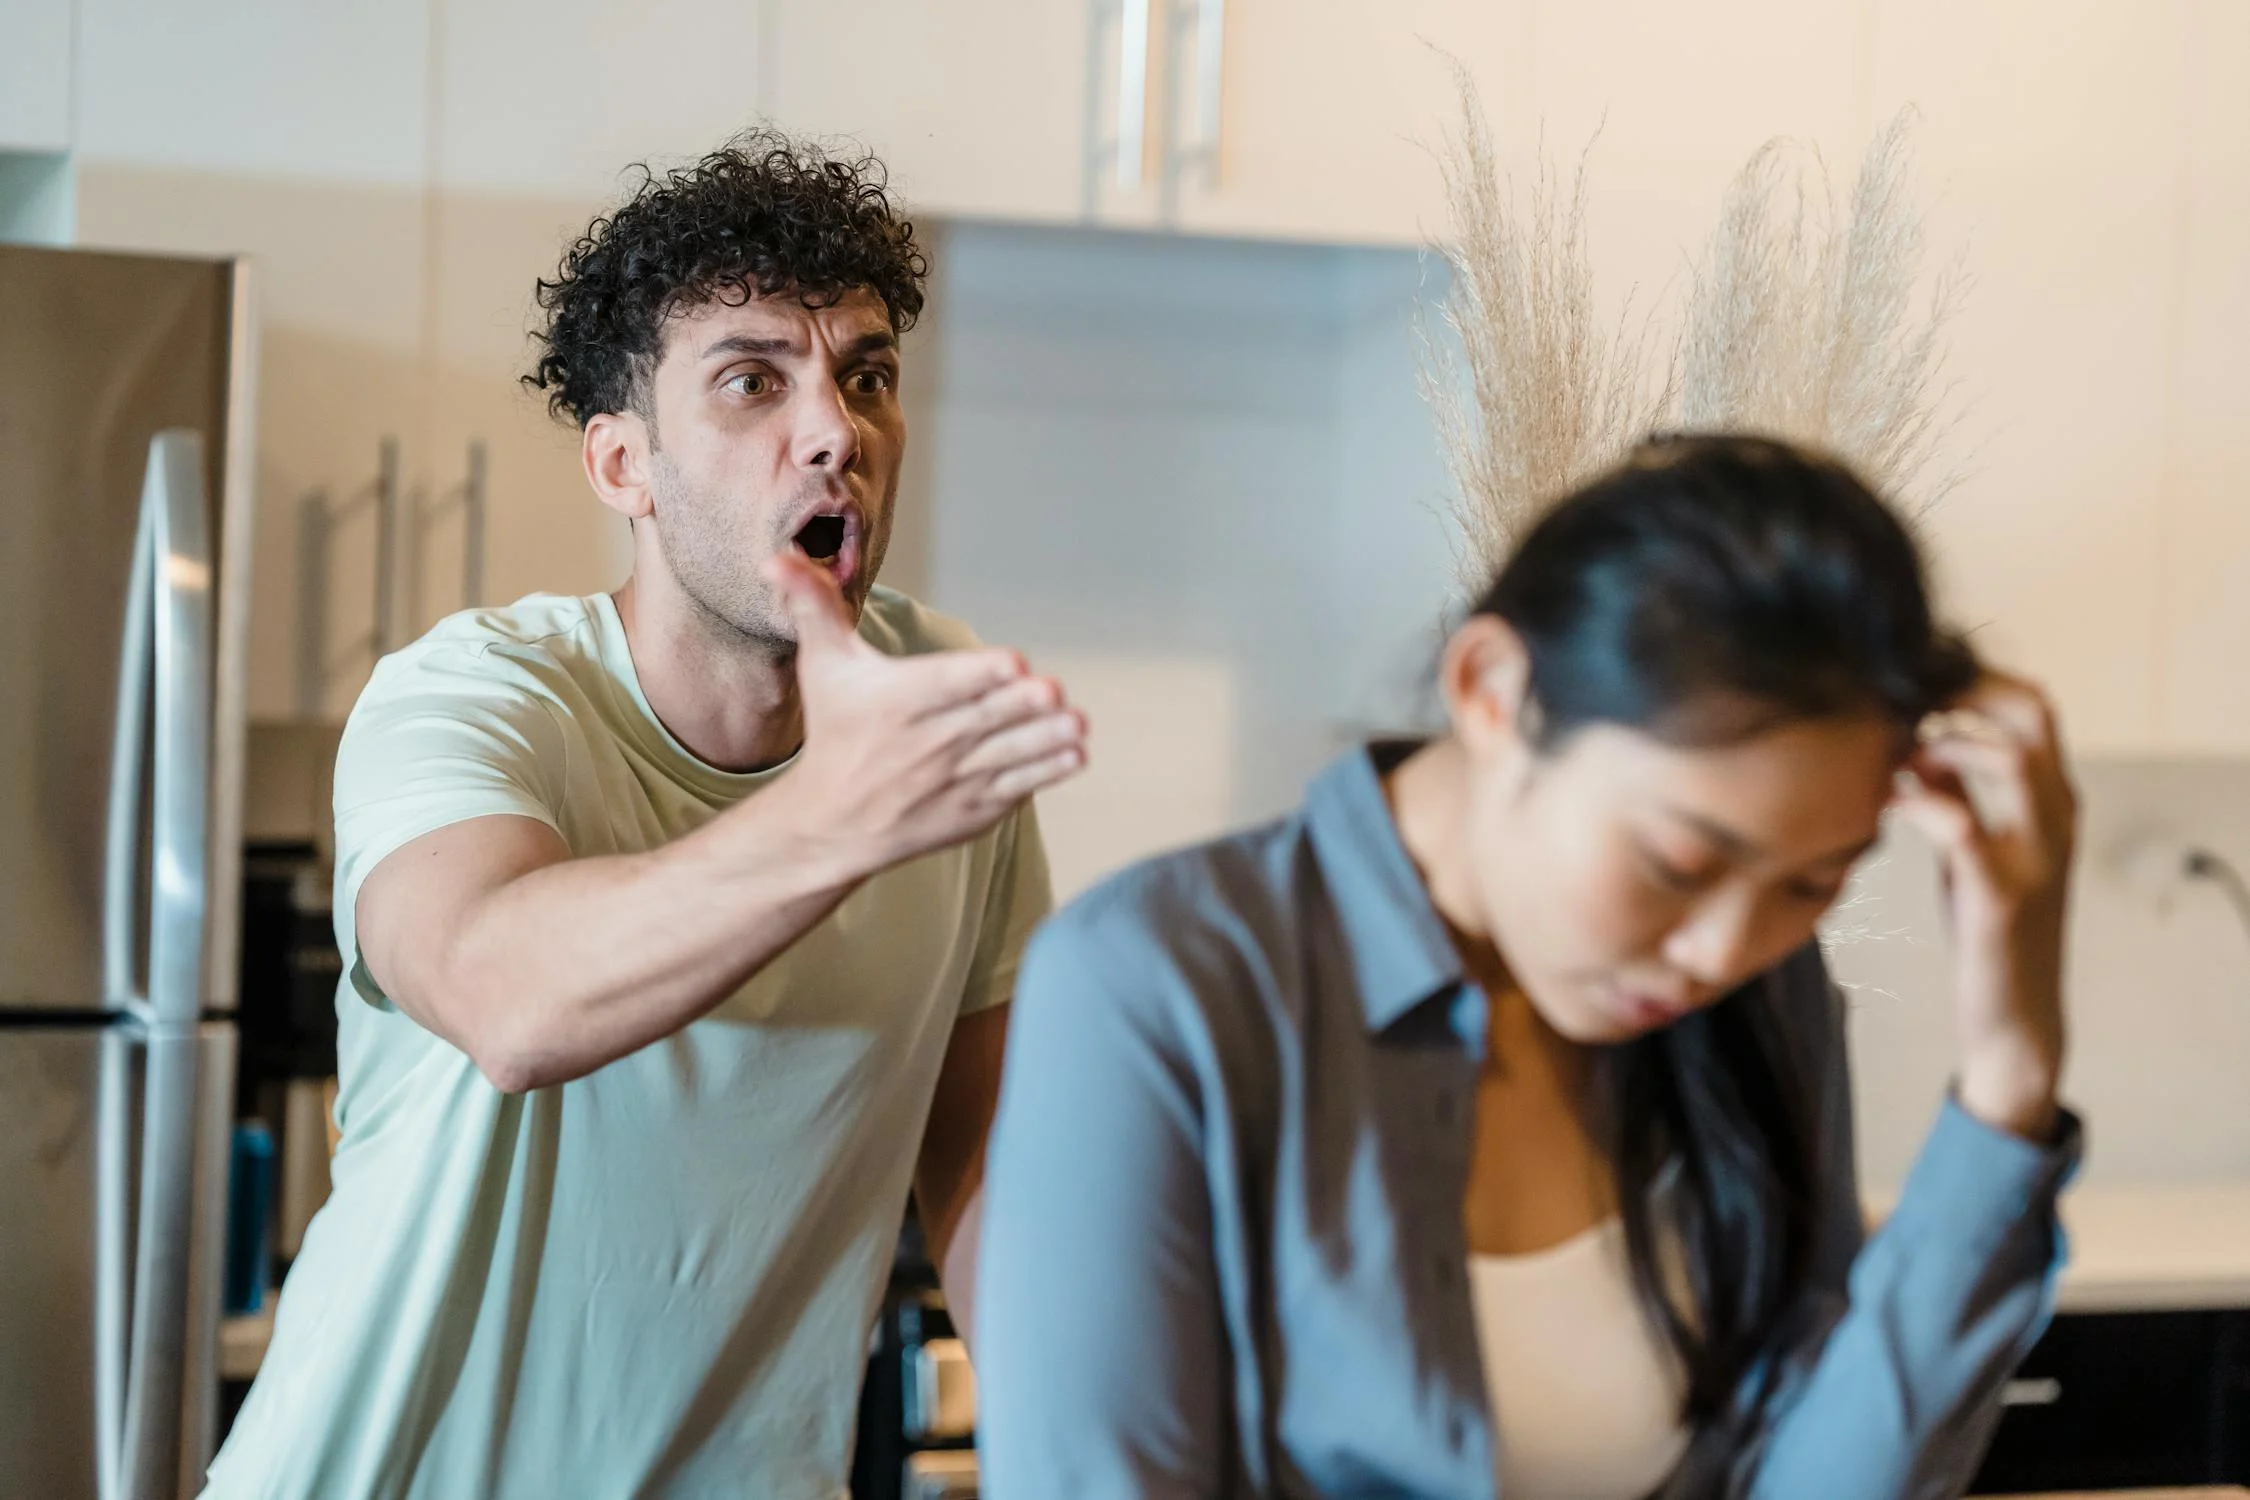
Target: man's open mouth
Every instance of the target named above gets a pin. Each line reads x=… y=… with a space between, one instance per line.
x=822 y=538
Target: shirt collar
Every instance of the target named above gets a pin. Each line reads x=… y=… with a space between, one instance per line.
x=1400 y=953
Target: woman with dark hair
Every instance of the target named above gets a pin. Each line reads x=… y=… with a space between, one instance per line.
x=1484 y=1128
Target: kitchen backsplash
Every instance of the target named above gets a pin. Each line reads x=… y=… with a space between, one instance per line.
x=2158 y=982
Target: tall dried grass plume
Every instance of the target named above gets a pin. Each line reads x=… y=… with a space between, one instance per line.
x=1531 y=392
x=1803 y=319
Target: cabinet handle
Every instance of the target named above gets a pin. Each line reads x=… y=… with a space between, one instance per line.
x=2039 y=1392
x=386 y=545
x=472 y=529
x=1132 y=91
x=1210 y=83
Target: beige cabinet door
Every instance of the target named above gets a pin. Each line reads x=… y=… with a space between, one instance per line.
x=2051 y=150
x=556 y=98
x=1305 y=119
x=1003 y=109
x=1332 y=114
x=2205 y=561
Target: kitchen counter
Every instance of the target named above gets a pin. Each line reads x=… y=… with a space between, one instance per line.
x=2146 y=1249
x=2169 y=1248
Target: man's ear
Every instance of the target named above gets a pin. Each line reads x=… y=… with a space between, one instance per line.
x=1485 y=679
x=617 y=453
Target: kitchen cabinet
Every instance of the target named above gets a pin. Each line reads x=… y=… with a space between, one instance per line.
x=2118 y=1400
x=538 y=99
x=981 y=108
x=1332 y=113
x=404 y=173
x=35 y=75
x=2051 y=151
x=2143 y=1379
x=1318 y=119
x=323 y=93
x=2204 y=548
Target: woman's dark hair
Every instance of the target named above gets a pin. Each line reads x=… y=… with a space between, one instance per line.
x=763 y=214
x=1709 y=588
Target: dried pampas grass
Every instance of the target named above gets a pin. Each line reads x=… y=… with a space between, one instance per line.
x=1801 y=322
x=1530 y=393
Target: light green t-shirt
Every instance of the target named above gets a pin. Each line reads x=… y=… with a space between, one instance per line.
x=658 y=1279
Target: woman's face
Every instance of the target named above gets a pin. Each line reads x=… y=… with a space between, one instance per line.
x=1627 y=881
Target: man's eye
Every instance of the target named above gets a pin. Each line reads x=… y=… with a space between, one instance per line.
x=870 y=382
x=751 y=383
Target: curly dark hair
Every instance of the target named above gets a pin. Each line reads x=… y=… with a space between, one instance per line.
x=765 y=213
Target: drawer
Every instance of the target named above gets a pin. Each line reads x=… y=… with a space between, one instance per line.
x=2113 y=1400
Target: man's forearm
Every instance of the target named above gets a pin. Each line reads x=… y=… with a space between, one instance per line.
x=580 y=962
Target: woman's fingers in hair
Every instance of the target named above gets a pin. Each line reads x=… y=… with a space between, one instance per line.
x=1933 y=798
x=2003 y=735
x=1994 y=775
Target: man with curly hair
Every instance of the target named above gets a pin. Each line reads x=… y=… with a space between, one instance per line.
x=679 y=923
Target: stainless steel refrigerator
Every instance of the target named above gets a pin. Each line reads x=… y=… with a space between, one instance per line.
x=124 y=542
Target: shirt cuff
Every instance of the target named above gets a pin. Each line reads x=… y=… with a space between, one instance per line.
x=1976 y=1183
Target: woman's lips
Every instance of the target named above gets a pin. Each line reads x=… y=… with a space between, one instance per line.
x=1648 y=1011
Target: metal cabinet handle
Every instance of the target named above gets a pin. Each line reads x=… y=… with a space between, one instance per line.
x=472 y=529
x=386 y=545
x=1210 y=83
x=1132 y=91
x=2033 y=1392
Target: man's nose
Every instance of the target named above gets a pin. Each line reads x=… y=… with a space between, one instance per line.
x=827 y=437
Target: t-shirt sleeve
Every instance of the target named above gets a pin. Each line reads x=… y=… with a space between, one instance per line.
x=434 y=741
x=1019 y=900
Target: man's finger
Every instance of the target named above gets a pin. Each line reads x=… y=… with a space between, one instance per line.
x=951 y=683
x=816 y=606
x=1014 y=785
x=971 y=720
x=1032 y=740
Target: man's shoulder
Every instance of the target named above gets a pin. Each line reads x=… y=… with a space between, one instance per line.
x=901 y=626
x=525 y=645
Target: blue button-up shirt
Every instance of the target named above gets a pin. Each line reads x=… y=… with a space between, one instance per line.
x=1222 y=1247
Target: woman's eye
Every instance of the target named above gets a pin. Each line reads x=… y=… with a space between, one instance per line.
x=1668 y=875
x=1815 y=893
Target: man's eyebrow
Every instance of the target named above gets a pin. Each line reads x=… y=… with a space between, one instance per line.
x=739 y=344
x=743 y=343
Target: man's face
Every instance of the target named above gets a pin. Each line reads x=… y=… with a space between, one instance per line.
x=775 y=426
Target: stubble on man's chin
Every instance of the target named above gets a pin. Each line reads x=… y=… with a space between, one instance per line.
x=738 y=610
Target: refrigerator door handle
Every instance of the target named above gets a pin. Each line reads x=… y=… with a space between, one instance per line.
x=173 y=578
x=113 y=1291
x=121 y=872
x=175 y=508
